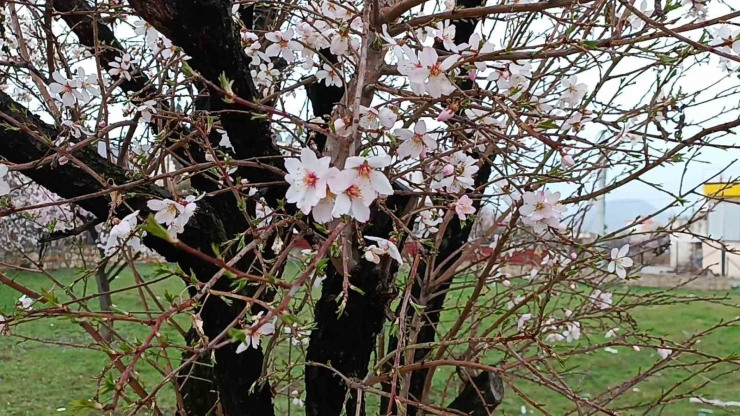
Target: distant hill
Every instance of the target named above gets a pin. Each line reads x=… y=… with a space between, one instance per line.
x=620 y=212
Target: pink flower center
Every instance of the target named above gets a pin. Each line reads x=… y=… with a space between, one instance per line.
x=364 y=170
x=310 y=179
x=353 y=191
x=435 y=70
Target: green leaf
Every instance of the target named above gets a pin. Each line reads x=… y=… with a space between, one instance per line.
x=216 y=249
x=239 y=284
x=79 y=405
x=50 y=297
x=547 y=125
x=237 y=335
x=154 y=228
x=186 y=69
x=289 y=319
x=226 y=85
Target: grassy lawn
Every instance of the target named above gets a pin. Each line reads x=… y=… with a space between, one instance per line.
x=38 y=379
x=594 y=373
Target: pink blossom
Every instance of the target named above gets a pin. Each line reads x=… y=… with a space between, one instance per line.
x=567 y=161
x=445 y=115
x=463 y=207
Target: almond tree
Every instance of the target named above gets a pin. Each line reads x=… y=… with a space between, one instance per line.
x=416 y=146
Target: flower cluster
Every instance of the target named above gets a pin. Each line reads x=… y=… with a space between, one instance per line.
x=79 y=88
x=331 y=193
x=541 y=209
x=173 y=214
x=123 y=232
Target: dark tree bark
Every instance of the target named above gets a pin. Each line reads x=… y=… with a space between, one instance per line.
x=323 y=99
x=345 y=341
x=480 y=396
x=206 y=32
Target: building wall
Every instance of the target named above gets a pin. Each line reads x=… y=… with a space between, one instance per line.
x=58 y=257
x=712 y=258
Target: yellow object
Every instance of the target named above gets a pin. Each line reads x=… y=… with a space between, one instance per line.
x=722 y=189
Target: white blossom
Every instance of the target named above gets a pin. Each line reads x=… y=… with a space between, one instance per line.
x=342 y=43
x=24 y=302
x=573 y=91
x=164 y=48
x=147 y=108
x=323 y=212
x=307 y=178
x=572 y=331
x=166 y=210
x=123 y=230
x=364 y=172
x=4 y=184
x=540 y=209
x=554 y=337
x=283 y=45
x=416 y=143
x=635 y=21
x=602 y=300
x=383 y=247
x=254 y=336
x=575 y=122
x=121 y=67
x=523 y=321
x=67 y=88
x=88 y=85
x=474 y=47
x=372 y=118
x=407 y=62
x=429 y=219
x=664 y=352
x=620 y=261
x=457 y=174
x=446 y=32
x=334 y=11
x=76 y=129
x=296 y=398
x=329 y=76
x=349 y=197
x=141 y=27
x=225 y=140
x=433 y=72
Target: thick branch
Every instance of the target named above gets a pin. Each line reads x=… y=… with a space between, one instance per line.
x=346 y=340
x=205 y=31
x=26 y=138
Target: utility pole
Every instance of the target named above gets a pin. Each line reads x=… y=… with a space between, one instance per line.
x=601 y=184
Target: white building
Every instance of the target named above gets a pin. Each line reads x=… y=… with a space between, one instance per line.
x=722 y=255
x=686 y=247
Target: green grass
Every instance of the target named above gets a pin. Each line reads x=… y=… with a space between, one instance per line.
x=38 y=378
x=593 y=373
